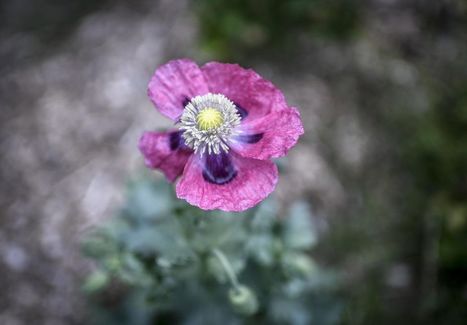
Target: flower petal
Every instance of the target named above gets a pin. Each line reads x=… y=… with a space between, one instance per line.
x=219 y=169
x=270 y=136
x=253 y=95
x=165 y=151
x=174 y=84
x=229 y=183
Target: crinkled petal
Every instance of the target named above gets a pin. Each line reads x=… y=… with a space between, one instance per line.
x=253 y=95
x=165 y=151
x=229 y=183
x=174 y=84
x=270 y=136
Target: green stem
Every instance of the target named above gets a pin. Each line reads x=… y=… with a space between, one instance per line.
x=227 y=267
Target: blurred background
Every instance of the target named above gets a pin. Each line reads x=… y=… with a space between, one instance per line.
x=382 y=89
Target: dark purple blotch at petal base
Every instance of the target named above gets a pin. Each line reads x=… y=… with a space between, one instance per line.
x=243 y=112
x=218 y=169
x=185 y=101
x=176 y=140
x=249 y=138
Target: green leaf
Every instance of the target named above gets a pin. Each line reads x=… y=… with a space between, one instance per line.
x=299 y=231
x=149 y=200
x=95 y=281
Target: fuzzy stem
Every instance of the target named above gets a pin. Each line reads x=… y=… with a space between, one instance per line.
x=227 y=267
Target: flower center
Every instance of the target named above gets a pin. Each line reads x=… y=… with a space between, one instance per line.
x=208 y=122
x=209 y=118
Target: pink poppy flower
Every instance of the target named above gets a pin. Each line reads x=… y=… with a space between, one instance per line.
x=231 y=122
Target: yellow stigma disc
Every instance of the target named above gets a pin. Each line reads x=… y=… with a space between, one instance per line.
x=209 y=118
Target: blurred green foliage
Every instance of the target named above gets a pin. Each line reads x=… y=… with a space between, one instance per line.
x=232 y=29
x=161 y=261
x=436 y=153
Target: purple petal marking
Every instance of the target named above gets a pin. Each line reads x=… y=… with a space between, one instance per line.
x=254 y=181
x=175 y=140
x=280 y=130
x=174 y=81
x=245 y=87
x=219 y=169
x=249 y=138
x=158 y=151
x=243 y=112
x=185 y=102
